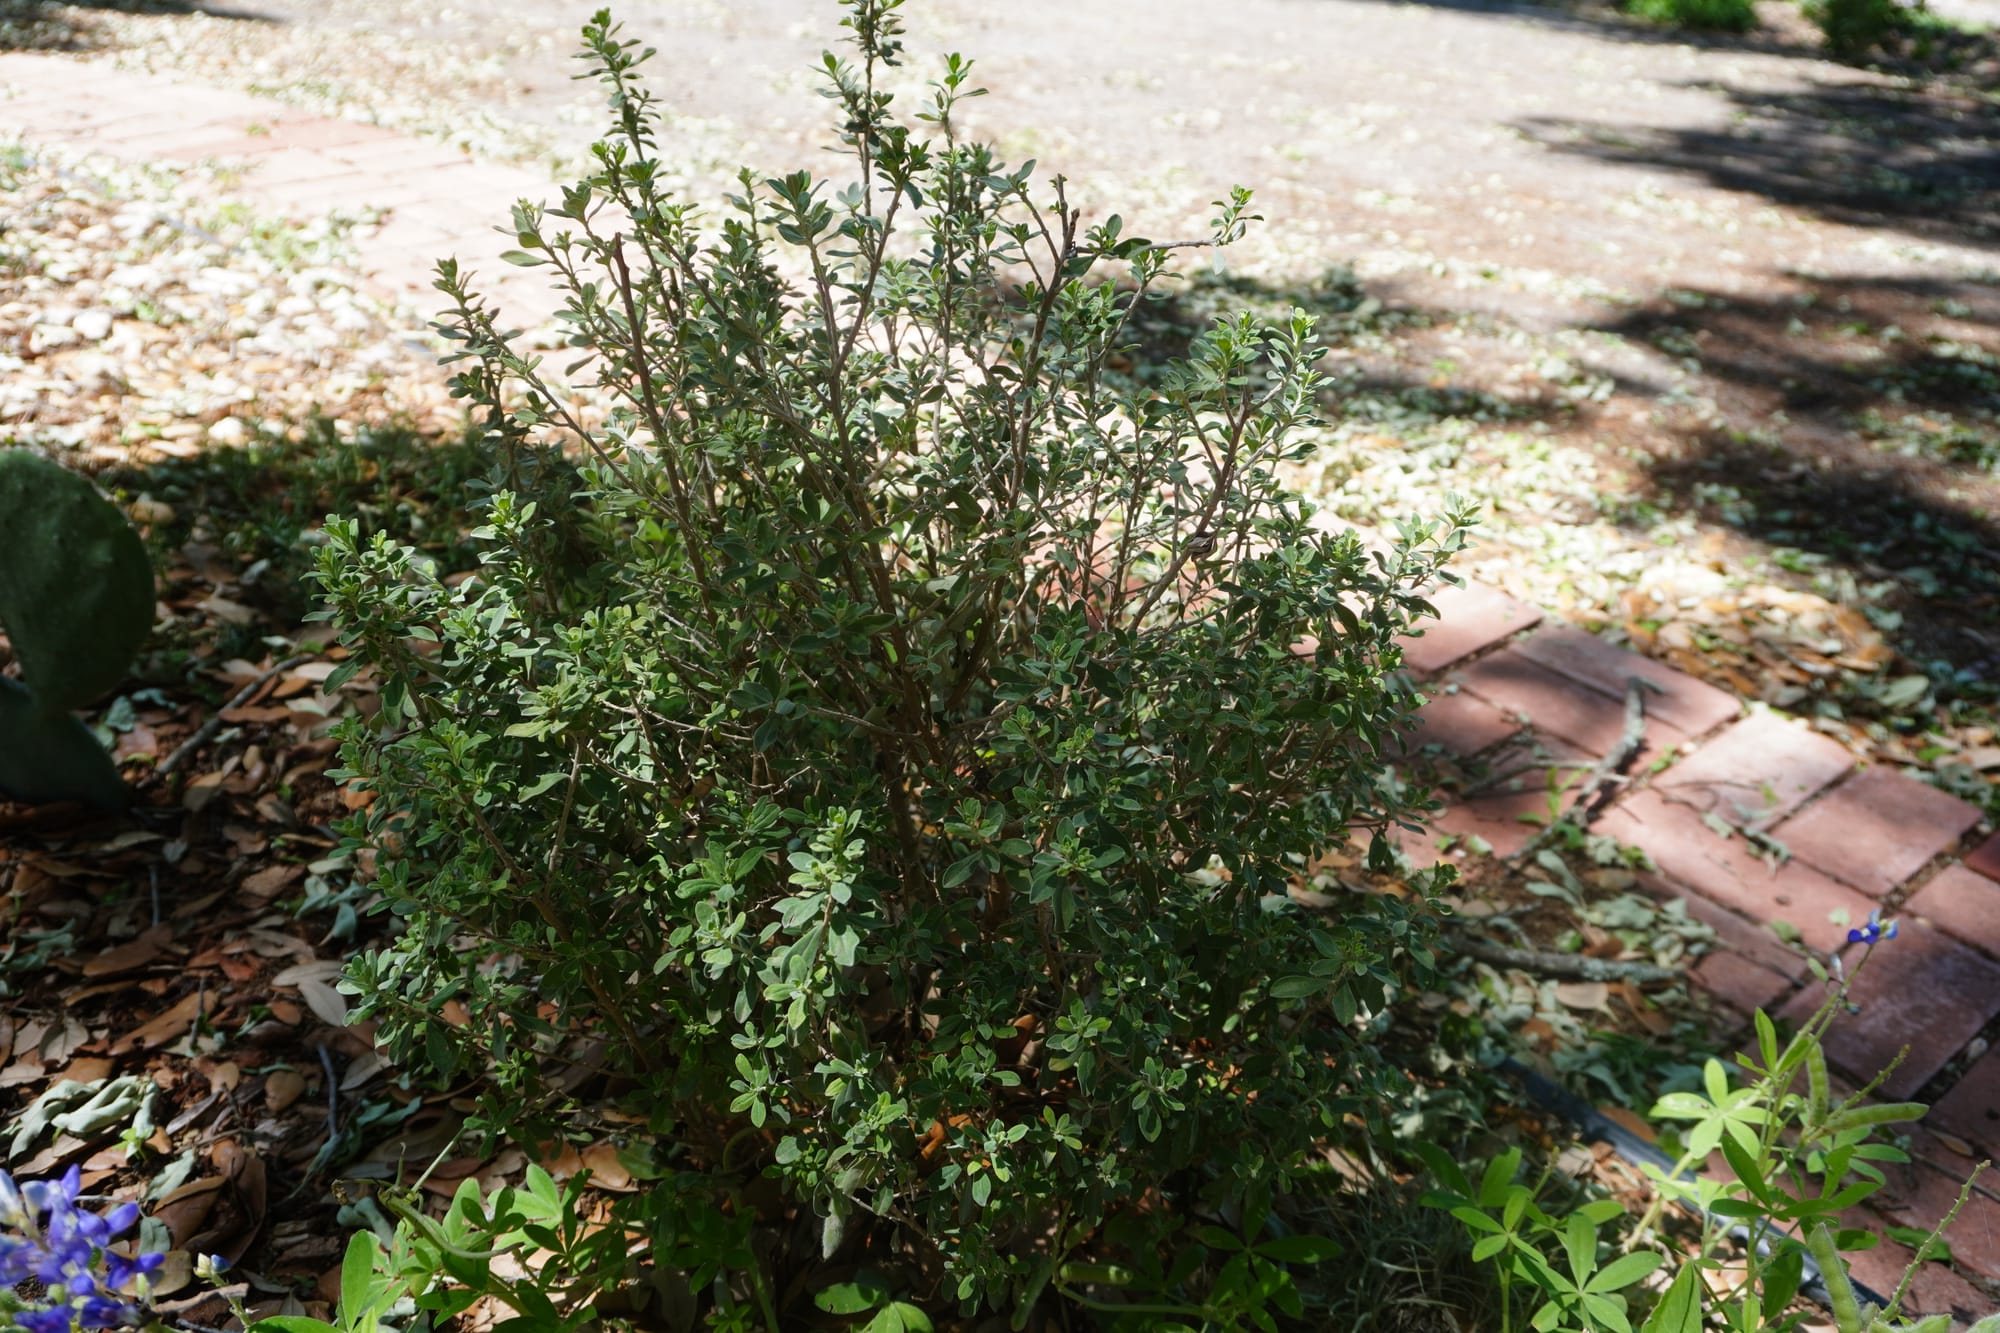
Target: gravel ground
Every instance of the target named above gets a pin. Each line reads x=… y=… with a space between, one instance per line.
x=142 y=316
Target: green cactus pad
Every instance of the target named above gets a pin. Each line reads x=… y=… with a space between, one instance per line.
x=50 y=756
x=76 y=588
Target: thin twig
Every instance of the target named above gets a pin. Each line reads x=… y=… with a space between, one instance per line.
x=1604 y=776
x=1590 y=799
x=1578 y=967
x=332 y=1095
x=206 y=732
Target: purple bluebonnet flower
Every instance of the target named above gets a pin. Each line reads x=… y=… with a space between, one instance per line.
x=1874 y=932
x=46 y=1239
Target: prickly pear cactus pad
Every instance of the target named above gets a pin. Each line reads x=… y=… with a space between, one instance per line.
x=76 y=588
x=50 y=756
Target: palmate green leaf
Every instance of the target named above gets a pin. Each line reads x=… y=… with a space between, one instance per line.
x=1680 y=1309
x=1743 y=1160
x=1767 y=1039
x=358 y=1307
x=1607 y=1312
x=1498 y=1177
x=1300 y=1249
x=291 y=1323
x=1580 y=1246
x=1715 y=1079
x=1623 y=1271
x=1682 y=1106
x=1447 y=1173
x=1782 y=1277
x=901 y=1317
x=862 y=1294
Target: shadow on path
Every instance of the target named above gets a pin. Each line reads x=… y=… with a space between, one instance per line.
x=44 y=25
x=1860 y=432
x=1605 y=21
x=1926 y=157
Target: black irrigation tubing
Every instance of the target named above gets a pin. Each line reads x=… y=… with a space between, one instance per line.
x=1595 y=1127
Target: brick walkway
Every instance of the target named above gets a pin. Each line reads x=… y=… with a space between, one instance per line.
x=1503 y=679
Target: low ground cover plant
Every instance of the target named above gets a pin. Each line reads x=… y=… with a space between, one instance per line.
x=1801 y=1159
x=870 y=777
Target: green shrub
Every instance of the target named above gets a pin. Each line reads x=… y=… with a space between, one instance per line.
x=1854 y=27
x=1712 y=15
x=879 y=765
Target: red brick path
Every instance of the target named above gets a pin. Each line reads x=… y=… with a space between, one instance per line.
x=1854 y=840
x=1500 y=674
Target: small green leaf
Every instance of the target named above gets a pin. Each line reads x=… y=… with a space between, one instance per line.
x=1499 y=1174
x=1781 y=1280
x=357 y=1278
x=1679 y=1311
x=864 y=1293
x=1623 y=1271
x=1767 y=1039
x=1300 y=1249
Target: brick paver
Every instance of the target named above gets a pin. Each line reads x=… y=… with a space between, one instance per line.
x=1758 y=771
x=1461 y=724
x=1934 y=1290
x=1682 y=701
x=1730 y=872
x=1586 y=718
x=1919 y=1196
x=1877 y=829
x=1985 y=858
x=1961 y=904
x=1971 y=1110
x=1923 y=990
x=1739 y=934
x=1471 y=616
x=1738 y=982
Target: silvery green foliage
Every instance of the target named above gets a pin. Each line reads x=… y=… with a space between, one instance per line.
x=881 y=760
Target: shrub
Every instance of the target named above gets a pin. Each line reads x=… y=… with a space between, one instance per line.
x=1713 y=15
x=1853 y=28
x=879 y=764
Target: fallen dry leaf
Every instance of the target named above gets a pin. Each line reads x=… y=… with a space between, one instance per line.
x=329 y=1006
x=606 y=1171
x=201 y=792
x=141 y=951
x=163 y=1028
x=268 y=883
x=282 y=1088
x=1583 y=994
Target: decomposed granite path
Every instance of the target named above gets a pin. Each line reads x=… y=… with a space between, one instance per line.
x=1499 y=673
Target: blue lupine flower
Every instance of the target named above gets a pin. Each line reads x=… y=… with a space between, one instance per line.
x=1874 y=932
x=45 y=1236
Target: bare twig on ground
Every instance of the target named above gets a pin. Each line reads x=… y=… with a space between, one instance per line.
x=206 y=732
x=1578 y=967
